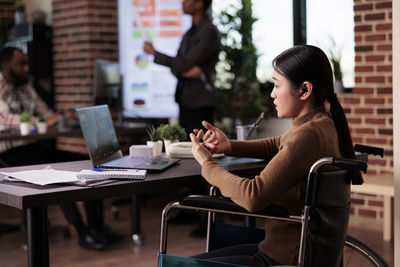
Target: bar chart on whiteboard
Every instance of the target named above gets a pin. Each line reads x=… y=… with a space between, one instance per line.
x=149 y=88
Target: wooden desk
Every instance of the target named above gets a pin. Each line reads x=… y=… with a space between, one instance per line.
x=35 y=199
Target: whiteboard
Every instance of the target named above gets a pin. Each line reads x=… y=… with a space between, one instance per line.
x=149 y=88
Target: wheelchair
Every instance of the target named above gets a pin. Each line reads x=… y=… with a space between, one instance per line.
x=324 y=220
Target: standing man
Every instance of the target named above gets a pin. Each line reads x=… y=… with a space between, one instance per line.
x=194 y=66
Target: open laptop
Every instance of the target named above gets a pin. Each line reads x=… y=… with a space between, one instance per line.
x=103 y=147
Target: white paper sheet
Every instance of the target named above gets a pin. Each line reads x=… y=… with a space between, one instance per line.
x=44 y=177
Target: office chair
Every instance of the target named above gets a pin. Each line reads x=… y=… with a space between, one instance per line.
x=325 y=217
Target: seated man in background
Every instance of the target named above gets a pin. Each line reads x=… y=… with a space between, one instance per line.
x=17 y=96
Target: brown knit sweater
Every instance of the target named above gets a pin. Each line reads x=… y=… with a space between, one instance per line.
x=283 y=180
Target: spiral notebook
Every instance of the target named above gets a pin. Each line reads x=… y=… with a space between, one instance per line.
x=118 y=175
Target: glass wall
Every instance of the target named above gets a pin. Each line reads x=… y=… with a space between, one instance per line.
x=330 y=26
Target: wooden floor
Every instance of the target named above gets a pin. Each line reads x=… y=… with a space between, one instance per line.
x=67 y=252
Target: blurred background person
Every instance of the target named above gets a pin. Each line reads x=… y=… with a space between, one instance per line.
x=17 y=96
x=194 y=66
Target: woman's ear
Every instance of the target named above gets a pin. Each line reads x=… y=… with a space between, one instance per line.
x=305 y=90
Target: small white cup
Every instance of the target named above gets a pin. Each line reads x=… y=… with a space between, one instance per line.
x=42 y=127
x=157 y=147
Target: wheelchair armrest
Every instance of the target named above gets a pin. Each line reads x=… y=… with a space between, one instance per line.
x=220 y=203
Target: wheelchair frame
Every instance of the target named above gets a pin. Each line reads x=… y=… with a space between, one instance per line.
x=303 y=219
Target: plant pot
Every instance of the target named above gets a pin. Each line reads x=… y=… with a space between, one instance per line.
x=25 y=128
x=19 y=17
x=157 y=147
x=338 y=86
x=42 y=127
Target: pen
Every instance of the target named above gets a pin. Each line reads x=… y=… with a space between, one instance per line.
x=117 y=170
x=254 y=125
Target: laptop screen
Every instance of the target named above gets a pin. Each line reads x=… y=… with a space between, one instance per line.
x=99 y=133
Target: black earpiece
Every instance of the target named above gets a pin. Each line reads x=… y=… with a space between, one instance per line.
x=303 y=91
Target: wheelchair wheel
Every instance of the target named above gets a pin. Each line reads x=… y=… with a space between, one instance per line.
x=357 y=253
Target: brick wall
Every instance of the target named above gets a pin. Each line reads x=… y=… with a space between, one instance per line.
x=7 y=10
x=83 y=30
x=369 y=107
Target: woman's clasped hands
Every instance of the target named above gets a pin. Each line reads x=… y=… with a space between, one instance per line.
x=214 y=141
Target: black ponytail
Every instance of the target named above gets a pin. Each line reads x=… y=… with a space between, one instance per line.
x=344 y=136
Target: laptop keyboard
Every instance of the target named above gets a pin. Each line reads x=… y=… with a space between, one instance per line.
x=127 y=161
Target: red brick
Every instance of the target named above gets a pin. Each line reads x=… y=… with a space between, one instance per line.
x=384 y=68
x=375 y=58
x=358 y=140
x=357 y=201
x=385 y=111
x=350 y=100
x=363 y=90
x=376 y=203
x=363 y=111
x=363 y=48
x=375 y=37
x=375 y=79
x=376 y=16
x=367 y=213
x=370 y=171
x=363 y=7
x=362 y=28
x=357 y=18
x=385 y=132
x=383 y=27
x=373 y=161
x=364 y=68
x=385 y=90
x=376 y=141
x=374 y=101
x=375 y=120
x=357 y=39
x=358 y=79
x=358 y=58
x=381 y=5
x=354 y=120
x=365 y=131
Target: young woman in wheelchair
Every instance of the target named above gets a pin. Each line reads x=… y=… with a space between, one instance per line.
x=304 y=92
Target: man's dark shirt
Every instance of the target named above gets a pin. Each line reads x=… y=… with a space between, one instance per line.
x=200 y=46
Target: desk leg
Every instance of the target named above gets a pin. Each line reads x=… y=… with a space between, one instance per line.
x=136 y=231
x=38 y=242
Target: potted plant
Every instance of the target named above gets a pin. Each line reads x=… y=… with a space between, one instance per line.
x=42 y=125
x=155 y=140
x=171 y=133
x=335 y=56
x=25 y=123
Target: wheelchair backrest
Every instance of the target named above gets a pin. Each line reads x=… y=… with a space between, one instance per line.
x=329 y=217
